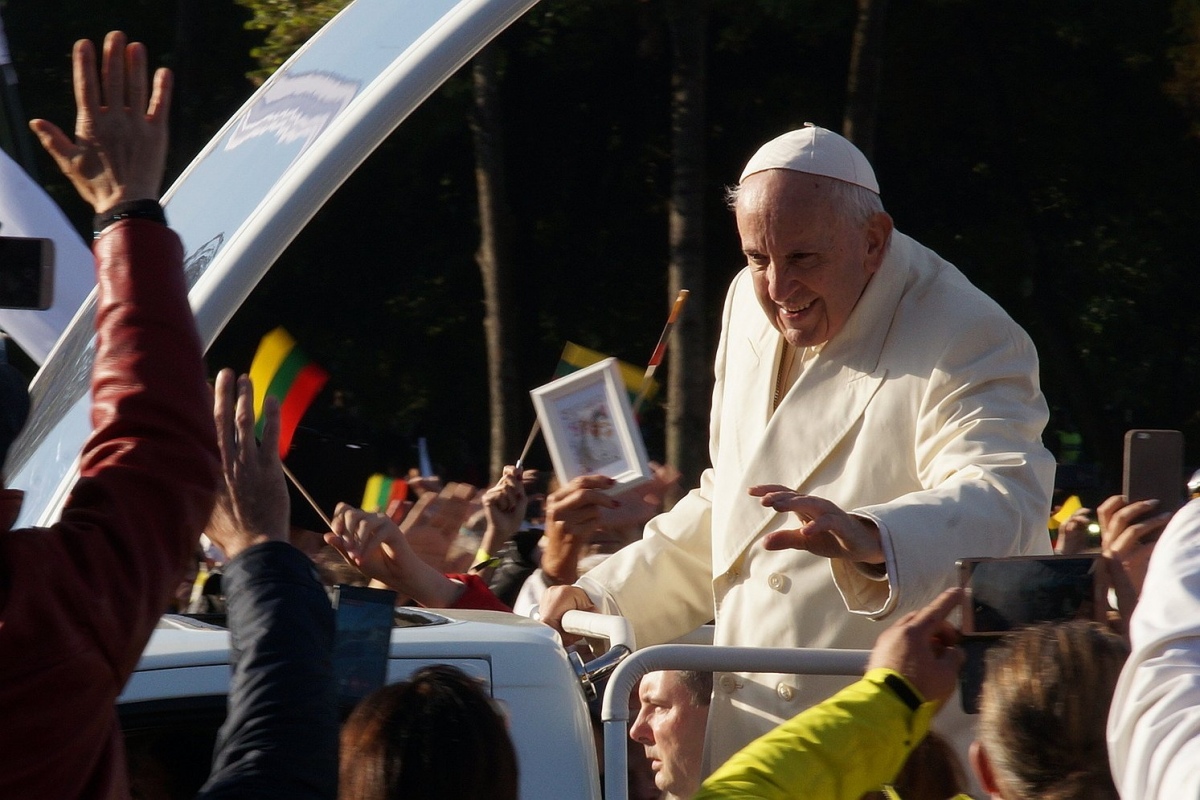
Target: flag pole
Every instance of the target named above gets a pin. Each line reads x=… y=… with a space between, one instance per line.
x=533 y=432
x=655 y=359
x=306 y=495
x=660 y=349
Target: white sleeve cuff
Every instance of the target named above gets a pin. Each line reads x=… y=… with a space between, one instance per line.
x=864 y=589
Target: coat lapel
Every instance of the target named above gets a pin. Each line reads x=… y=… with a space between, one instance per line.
x=817 y=413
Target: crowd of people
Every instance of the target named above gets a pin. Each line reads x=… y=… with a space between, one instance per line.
x=875 y=418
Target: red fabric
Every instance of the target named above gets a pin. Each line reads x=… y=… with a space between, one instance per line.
x=78 y=600
x=478 y=595
x=300 y=394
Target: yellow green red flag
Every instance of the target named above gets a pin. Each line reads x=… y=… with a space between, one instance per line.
x=381 y=492
x=575 y=357
x=281 y=370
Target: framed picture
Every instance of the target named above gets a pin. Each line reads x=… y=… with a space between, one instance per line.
x=588 y=424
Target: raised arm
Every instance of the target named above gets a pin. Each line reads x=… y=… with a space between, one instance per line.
x=282 y=699
x=82 y=597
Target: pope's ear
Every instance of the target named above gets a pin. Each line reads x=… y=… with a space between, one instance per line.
x=879 y=231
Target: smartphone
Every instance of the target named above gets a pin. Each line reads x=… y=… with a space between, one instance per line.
x=1004 y=594
x=26 y=273
x=362 y=640
x=1154 y=468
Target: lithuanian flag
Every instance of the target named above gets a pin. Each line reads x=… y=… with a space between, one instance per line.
x=281 y=370
x=382 y=491
x=576 y=358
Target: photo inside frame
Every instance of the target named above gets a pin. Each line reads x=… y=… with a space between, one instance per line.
x=592 y=438
x=589 y=427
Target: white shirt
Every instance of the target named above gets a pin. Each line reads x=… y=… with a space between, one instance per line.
x=1154 y=724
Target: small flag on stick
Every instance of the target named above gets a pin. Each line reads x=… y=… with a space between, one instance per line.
x=281 y=370
x=382 y=492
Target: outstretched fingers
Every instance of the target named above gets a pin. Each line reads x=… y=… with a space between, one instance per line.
x=85 y=82
x=244 y=420
x=113 y=70
x=224 y=402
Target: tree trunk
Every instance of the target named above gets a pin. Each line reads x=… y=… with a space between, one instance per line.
x=689 y=388
x=493 y=258
x=863 y=82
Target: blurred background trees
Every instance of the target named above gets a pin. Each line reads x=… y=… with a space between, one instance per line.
x=1047 y=149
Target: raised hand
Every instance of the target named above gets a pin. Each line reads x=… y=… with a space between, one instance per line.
x=504 y=505
x=374 y=544
x=573 y=512
x=922 y=647
x=432 y=525
x=827 y=531
x=1128 y=533
x=120 y=147
x=643 y=501
x=252 y=499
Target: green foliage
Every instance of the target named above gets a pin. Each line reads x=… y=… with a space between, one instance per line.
x=289 y=24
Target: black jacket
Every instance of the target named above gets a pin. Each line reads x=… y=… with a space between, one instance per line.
x=280 y=738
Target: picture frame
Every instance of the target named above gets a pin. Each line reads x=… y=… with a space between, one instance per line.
x=589 y=427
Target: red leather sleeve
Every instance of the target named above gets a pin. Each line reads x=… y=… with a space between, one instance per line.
x=80 y=599
x=149 y=471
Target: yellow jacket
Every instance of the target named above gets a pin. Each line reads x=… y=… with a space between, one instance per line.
x=853 y=743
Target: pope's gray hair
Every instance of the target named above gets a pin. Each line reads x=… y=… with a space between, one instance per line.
x=857 y=203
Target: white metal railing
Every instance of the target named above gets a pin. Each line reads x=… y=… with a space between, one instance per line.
x=693 y=651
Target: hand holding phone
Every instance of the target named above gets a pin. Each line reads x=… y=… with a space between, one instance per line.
x=1003 y=594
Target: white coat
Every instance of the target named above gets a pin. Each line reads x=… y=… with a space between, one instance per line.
x=923 y=413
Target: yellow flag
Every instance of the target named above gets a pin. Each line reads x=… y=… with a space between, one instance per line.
x=1069 y=507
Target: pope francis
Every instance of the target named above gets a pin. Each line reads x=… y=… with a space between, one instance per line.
x=875 y=417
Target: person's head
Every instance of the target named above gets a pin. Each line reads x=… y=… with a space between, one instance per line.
x=813 y=231
x=435 y=736
x=670 y=724
x=1043 y=712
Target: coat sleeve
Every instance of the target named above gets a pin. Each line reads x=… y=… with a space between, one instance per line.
x=80 y=599
x=1154 y=724
x=849 y=745
x=148 y=474
x=280 y=738
x=978 y=451
x=663 y=583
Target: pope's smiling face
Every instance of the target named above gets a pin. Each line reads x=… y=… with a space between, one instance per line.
x=810 y=260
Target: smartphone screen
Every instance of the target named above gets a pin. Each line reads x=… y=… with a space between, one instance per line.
x=1003 y=594
x=1154 y=467
x=26 y=273
x=363 y=619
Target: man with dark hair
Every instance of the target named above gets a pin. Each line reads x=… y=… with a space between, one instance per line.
x=78 y=600
x=670 y=725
